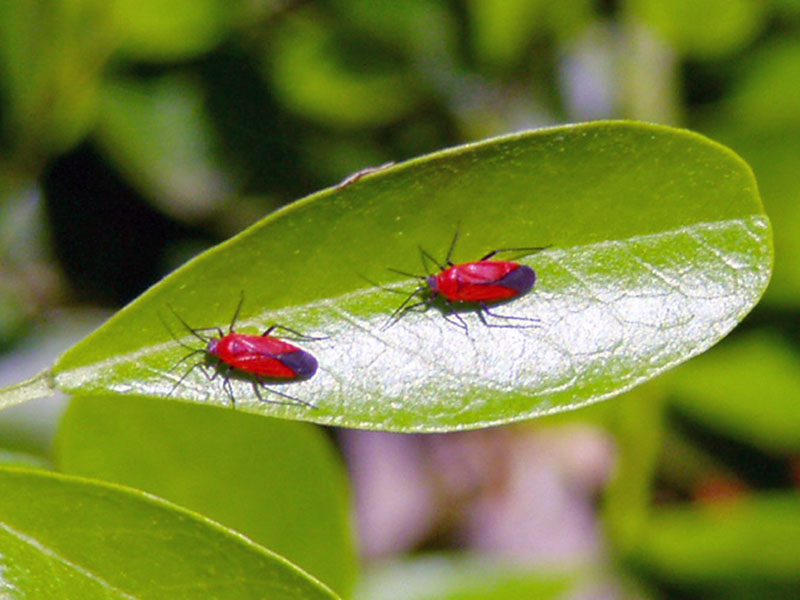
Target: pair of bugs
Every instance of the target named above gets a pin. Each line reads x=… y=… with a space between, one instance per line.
x=265 y=358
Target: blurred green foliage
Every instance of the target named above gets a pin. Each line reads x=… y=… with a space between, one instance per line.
x=279 y=483
x=156 y=115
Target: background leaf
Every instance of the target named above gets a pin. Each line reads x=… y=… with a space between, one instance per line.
x=444 y=577
x=660 y=248
x=685 y=23
x=333 y=91
x=172 y=159
x=751 y=537
x=64 y=537
x=719 y=389
x=275 y=481
x=150 y=30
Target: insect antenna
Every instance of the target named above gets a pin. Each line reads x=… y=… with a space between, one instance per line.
x=192 y=351
x=425 y=254
x=392 y=290
x=182 y=360
x=236 y=314
x=172 y=334
x=449 y=257
x=191 y=330
x=406 y=273
x=385 y=288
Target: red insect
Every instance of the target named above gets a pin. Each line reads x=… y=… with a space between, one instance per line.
x=477 y=283
x=258 y=358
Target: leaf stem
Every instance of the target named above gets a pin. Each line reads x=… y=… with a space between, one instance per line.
x=38 y=386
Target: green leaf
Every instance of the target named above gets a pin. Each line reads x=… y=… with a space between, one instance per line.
x=153 y=30
x=660 y=247
x=65 y=537
x=158 y=135
x=38 y=386
x=637 y=424
x=758 y=120
x=503 y=32
x=685 y=23
x=277 y=482
x=753 y=537
x=313 y=72
x=52 y=54
x=22 y=459
x=748 y=389
x=774 y=156
x=461 y=578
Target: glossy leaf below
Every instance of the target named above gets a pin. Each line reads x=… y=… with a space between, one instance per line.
x=65 y=537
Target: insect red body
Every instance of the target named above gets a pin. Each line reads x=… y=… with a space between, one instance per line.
x=480 y=282
x=483 y=281
x=253 y=357
x=263 y=355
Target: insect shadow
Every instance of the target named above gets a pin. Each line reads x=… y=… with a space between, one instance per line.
x=265 y=361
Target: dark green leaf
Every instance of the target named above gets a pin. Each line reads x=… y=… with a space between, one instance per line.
x=748 y=389
x=753 y=537
x=277 y=482
x=684 y=24
x=64 y=537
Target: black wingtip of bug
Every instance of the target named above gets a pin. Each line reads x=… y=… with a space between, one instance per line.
x=302 y=363
x=521 y=280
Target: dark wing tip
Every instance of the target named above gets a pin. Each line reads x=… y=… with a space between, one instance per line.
x=521 y=280
x=301 y=362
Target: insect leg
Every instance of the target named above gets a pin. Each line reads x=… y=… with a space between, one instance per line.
x=197 y=365
x=187 y=357
x=227 y=385
x=484 y=310
x=405 y=307
x=259 y=383
x=454 y=318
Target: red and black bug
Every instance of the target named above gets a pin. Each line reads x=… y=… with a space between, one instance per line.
x=257 y=358
x=474 y=283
